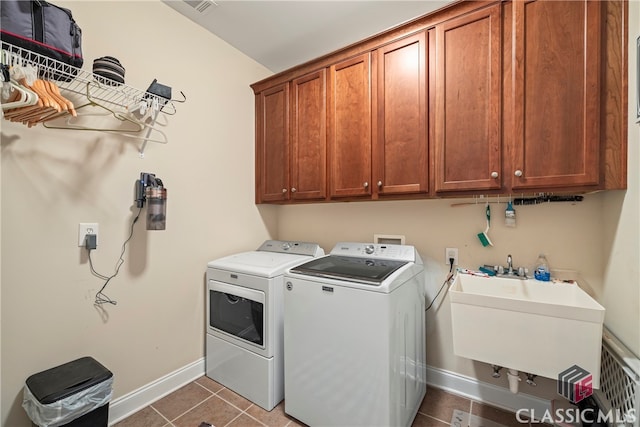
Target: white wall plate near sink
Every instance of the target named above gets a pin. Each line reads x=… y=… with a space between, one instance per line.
x=541 y=328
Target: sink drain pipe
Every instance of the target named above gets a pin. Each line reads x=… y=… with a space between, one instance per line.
x=514 y=380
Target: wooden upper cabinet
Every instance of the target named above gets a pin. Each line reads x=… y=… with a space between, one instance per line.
x=349 y=124
x=468 y=102
x=499 y=97
x=272 y=148
x=556 y=99
x=400 y=155
x=308 y=137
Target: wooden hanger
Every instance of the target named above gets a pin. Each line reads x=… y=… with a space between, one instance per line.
x=53 y=88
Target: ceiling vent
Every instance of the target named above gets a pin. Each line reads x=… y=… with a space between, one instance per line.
x=203 y=7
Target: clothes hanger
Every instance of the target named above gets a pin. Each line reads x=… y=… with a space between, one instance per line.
x=15 y=95
x=44 y=96
x=66 y=105
x=145 y=139
x=53 y=88
x=25 y=97
x=46 y=106
x=122 y=117
x=128 y=133
x=72 y=123
x=28 y=114
x=106 y=111
x=26 y=76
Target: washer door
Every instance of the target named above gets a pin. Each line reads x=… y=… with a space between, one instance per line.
x=352 y=269
x=238 y=313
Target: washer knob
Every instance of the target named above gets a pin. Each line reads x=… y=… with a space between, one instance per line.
x=369 y=249
x=286 y=246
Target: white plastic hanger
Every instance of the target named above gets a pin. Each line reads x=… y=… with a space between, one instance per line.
x=27 y=96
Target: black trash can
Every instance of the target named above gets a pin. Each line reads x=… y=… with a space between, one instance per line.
x=75 y=394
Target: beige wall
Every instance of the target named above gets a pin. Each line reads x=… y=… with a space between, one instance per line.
x=52 y=180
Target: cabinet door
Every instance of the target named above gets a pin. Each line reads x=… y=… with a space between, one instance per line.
x=400 y=162
x=272 y=151
x=308 y=137
x=556 y=99
x=349 y=124
x=468 y=102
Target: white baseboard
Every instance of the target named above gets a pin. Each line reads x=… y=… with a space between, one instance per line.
x=131 y=403
x=484 y=392
x=471 y=388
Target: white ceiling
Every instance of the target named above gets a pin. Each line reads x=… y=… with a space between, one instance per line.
x=282 y=34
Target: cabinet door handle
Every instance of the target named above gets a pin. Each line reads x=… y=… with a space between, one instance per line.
x=380 y=184
x=518 y=173
x=284 y=190
x=494 y=174
x=366 y=184
x=293 y=189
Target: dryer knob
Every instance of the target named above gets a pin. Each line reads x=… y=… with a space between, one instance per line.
x=369 y=249
x=286 y=246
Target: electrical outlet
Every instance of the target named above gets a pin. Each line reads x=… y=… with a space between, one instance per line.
x=87 y=228
x=451 y=253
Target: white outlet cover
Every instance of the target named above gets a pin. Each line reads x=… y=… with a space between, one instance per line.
x=454 y=253
x=85 y=228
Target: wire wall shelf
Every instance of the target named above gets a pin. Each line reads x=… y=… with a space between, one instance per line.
x=78 y=81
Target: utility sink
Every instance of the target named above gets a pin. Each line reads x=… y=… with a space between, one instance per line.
x=541 y=328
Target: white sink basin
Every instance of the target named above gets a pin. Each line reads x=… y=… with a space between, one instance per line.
x=542 y=328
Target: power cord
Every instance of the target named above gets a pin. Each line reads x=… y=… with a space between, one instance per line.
x=101 y=297
x=447 y=280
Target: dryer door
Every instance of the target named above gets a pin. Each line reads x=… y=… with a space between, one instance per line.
x=237 y=314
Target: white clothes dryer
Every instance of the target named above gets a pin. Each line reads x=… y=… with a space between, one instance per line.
x=354 y=336
x=244 y=330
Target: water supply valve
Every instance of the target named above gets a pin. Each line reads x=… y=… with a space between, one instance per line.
x=530 y=378
x=496 y=371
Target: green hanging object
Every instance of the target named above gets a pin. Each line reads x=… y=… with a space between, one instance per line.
x=484 y=236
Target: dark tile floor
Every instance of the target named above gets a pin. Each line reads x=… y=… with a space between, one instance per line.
x=205 y=400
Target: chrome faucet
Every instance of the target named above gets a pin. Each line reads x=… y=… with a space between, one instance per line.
x=510 y=271
x=507 y=271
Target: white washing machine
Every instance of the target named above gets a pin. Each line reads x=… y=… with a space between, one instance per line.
x=354 y=336
x=244 y=330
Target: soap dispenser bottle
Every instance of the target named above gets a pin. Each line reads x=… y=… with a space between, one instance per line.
x=541 y=271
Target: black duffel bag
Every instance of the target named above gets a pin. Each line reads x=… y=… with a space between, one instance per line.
x=43 y=28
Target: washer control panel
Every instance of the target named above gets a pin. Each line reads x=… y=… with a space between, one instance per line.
x=291 y=247
x=375 y=251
